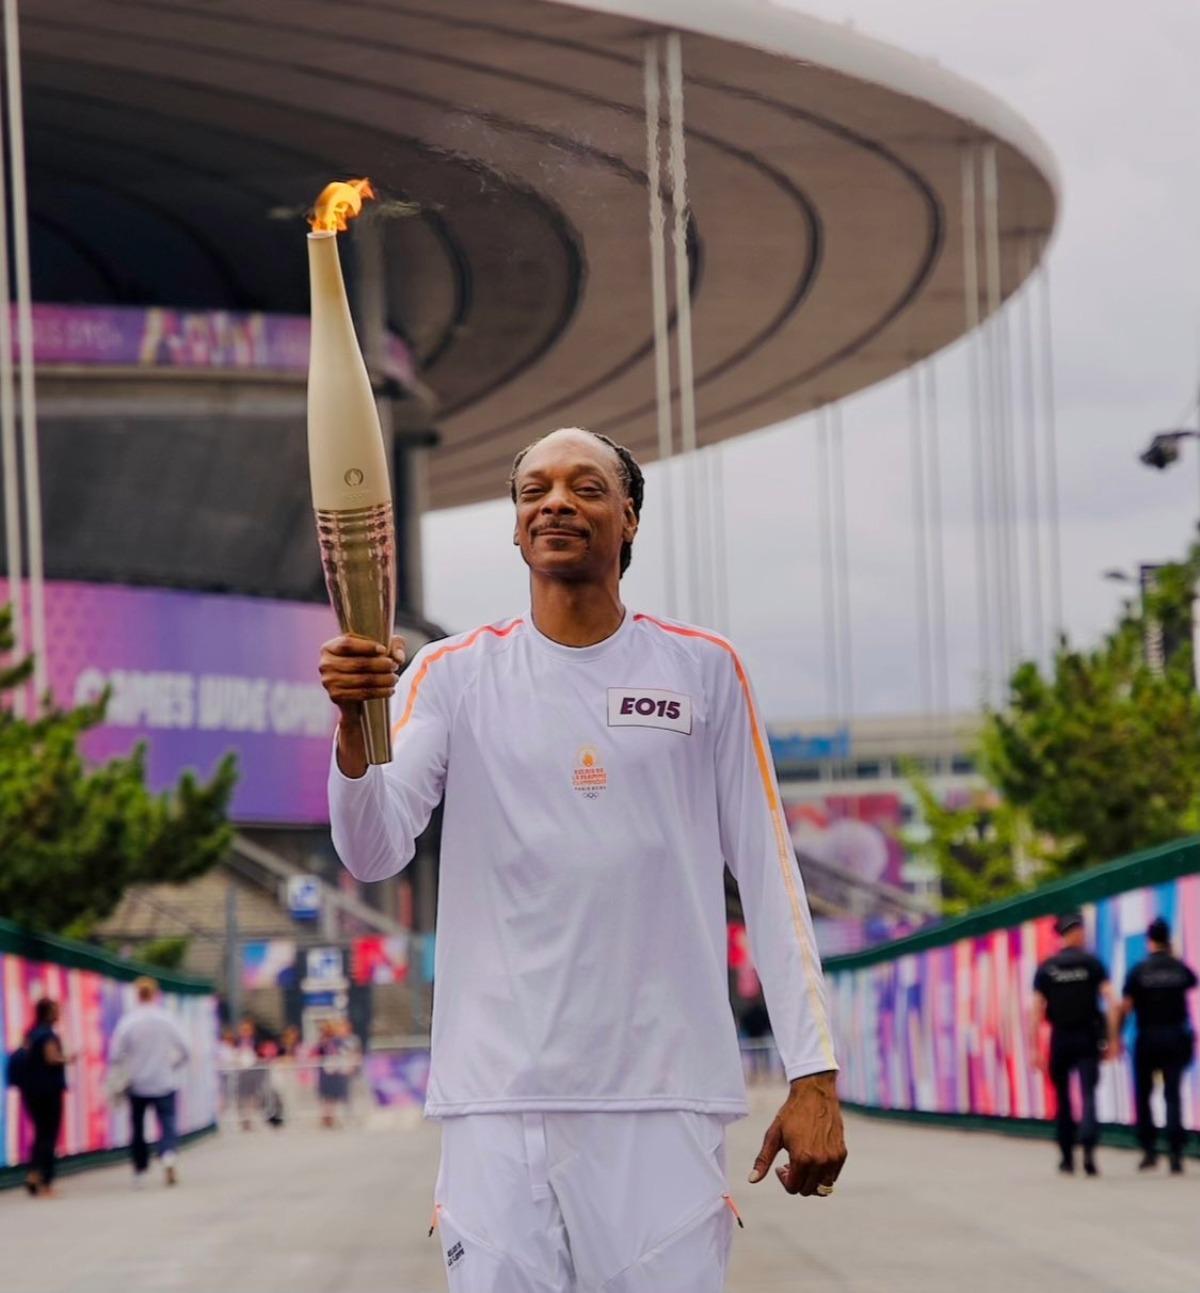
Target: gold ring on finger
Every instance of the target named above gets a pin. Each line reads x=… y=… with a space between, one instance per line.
x=824 y=1190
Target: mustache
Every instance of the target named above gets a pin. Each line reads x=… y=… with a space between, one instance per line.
x=551 y=527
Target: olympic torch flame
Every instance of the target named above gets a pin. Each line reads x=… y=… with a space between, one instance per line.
x=338 y=204
x=351 y=492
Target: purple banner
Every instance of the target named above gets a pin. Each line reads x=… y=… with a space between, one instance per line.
x=211 y=340
x=196 y=675
x=398 y=1079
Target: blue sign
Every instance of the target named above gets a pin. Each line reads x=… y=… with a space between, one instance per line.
x=814 y=747
x=304 y=897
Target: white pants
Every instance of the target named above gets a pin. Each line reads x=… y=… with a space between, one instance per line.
x=584 y=1203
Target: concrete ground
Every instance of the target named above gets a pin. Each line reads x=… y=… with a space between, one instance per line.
x=306 y=1211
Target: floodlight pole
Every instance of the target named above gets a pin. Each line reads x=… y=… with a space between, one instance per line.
x=29 y=433
x=13 y=541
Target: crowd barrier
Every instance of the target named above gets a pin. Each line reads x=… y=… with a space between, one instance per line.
x=935 y=1025
x=287 y=1091
x=93 y=991
x=932 y=1026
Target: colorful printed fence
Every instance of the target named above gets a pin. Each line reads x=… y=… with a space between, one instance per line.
x=937 y=1023
x=93 y=991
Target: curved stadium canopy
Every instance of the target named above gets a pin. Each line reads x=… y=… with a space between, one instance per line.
x=173 y=142
x=174 y=146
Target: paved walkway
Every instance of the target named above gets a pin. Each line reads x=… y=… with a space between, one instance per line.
x=919 y=1211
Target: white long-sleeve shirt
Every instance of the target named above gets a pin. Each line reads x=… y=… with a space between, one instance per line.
x=592 y=798
x=152 y=1049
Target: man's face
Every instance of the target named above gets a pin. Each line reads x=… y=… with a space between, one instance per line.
x=572 y=510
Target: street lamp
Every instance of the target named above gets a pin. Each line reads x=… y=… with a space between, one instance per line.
x=1164 y=448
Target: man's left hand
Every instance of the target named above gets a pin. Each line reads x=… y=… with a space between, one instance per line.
x=809 y=1127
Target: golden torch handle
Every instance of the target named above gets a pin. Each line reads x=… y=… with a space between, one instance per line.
x=358 y=554
x=352 y=495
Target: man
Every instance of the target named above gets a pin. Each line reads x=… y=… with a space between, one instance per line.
x=1066 y=990
x=599 y=768
x=149 y=1050
x=1156 y=993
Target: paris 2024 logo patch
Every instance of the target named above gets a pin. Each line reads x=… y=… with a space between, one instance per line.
x=589 y=777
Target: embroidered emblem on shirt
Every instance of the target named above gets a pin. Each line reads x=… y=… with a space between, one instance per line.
x=645 y=707
x=589 y=777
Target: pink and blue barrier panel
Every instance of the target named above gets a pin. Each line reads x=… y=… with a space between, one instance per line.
x=93 y=990
x=936 y=1025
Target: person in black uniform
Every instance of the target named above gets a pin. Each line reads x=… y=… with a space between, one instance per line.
x=1068 y=987
x=1156 y=993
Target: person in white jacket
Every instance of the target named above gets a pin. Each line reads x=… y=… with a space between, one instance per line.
x=149 y=1052
x=600 y=768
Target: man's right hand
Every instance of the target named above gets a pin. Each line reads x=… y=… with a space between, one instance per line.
x=355 y=669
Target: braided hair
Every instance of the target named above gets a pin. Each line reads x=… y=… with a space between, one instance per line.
x=631 y=478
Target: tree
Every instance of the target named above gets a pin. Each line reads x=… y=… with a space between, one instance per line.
x=1104 y=754
x=167 y=953
x=73 y=838
x=977 y=847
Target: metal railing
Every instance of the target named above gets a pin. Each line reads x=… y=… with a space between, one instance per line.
x=350 y=1090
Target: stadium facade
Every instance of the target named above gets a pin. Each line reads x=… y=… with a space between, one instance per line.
x=503 y=286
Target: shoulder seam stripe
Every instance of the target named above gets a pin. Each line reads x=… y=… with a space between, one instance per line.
x=468 y=641
x=783 y=845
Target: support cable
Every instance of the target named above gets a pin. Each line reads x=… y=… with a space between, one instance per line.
x=696 y=531
x=920 y=542
x=1000 y=502
x=720 y=539
x=1033 y=518
x=1049 y=422
x=833 y=685
x=662 y=343
x=939 y=634
x=978 y=448
x=844 y=638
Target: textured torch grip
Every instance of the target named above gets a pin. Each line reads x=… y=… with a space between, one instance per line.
x=358 y=554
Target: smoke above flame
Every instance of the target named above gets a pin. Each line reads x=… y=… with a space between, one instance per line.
x=338 y=204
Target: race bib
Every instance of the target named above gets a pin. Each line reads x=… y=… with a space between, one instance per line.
x=643 y=707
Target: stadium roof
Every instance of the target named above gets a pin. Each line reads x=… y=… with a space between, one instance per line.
x=173 y=145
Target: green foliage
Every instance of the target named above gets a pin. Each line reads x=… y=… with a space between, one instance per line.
x=1098 y=758
x=73 y=838
x=976 y=847
x=166 y=953
x=1104 y=754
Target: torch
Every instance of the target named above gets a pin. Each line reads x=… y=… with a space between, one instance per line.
x=351 y=493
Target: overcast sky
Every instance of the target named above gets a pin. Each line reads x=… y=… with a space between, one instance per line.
x=1113 y=89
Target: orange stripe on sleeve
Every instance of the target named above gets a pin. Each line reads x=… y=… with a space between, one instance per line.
x=468 y=641
x=783 y=844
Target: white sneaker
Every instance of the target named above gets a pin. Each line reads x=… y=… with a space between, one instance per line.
x=169 y=1173
x=139 y=1180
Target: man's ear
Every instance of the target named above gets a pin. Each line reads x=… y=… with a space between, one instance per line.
x=516 y=536
x=630 y=528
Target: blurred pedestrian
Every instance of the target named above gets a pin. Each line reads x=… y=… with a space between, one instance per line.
x=1068 y=988
x=248 y=1081
x=333 y=1081
x=227 y=1053
x=151 y=1051
x=756 y=1028
x=42 y=1082
x=1155 y=994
